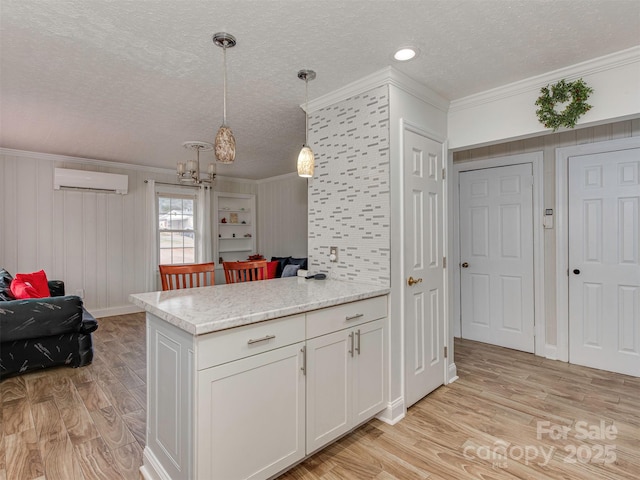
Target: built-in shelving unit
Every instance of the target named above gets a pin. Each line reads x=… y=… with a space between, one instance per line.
x=234 y=227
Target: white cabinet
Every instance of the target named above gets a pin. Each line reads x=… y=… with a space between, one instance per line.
x=251 y=401
x=252 y=415
x=346 y=381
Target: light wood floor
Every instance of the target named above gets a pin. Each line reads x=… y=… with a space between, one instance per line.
x=89 y=423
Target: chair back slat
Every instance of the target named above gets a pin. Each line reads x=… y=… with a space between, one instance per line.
x=176 y=277
x=236 y=272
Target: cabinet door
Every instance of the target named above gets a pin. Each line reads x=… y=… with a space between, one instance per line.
x=329 y=386
x=369 y=377
x=251 y=416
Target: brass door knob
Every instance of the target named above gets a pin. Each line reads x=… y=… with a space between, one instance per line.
x=465 y=265
x=411 y=281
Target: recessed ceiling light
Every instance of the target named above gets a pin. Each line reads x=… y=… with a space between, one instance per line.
x=405 y=53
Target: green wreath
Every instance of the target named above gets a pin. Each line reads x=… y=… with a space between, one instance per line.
x=561 y=92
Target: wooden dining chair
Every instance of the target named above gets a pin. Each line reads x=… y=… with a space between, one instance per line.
x=175 y=277
x=235 y=272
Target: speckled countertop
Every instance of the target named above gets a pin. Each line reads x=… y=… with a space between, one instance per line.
x=209 y=309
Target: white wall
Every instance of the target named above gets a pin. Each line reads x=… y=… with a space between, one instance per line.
x=508 y=112
x=282 y=216
x=90 y=240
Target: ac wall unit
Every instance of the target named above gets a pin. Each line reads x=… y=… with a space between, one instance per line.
x=92 y=181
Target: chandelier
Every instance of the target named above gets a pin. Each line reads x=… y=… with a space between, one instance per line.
x=306 y=158
x=225 y=143
x=190 y=172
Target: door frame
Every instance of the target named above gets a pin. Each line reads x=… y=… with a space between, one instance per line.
x=400 y=287
x=562 y=230
x=536 y=161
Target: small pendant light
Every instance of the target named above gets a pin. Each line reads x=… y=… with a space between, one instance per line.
x=225 y=142
x=306 y=158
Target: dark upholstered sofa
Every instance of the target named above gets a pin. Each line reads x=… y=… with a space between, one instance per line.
x=43 y=332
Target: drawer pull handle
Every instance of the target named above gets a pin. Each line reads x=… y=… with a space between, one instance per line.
x=263 y=339
x=353 y=317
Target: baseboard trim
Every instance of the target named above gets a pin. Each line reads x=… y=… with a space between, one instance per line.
x=151 y=468
x=112 y=311
x=453 y=373
x=394 y=412
x=551 y=352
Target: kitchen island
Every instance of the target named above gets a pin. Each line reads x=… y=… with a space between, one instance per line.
x=246 y=380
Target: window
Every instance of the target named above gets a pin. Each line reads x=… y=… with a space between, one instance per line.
x=176 y=228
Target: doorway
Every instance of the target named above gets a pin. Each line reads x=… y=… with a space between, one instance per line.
x=498 y=251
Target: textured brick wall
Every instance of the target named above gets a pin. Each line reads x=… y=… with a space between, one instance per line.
x=349 y=194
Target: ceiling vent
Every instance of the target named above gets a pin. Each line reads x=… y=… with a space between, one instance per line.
x=85 y=180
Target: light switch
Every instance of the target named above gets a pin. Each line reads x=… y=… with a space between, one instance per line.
x=547 y=220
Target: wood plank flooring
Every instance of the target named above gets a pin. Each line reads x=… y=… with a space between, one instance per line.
x=79 y=423
x=510 y=415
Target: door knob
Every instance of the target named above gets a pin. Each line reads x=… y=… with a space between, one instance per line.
x=465 y=265
x=576 y=271
x=411 y=281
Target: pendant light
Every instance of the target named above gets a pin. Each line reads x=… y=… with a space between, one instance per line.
x=225 y=143
x=306 y=158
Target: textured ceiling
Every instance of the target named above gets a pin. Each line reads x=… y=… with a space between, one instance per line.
x=129 y=81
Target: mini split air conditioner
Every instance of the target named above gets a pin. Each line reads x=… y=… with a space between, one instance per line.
x=90 y=181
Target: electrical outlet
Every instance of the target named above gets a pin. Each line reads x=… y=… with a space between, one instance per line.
x=333 y=254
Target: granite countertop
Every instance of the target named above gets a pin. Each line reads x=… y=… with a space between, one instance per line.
x=209 y=309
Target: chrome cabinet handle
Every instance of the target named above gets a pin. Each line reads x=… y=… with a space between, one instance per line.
x=411 y=281
x=358 y=341
x=351 y=339
x=465 y=265
x=353 y=317
x=263 y=339
x=304 y=360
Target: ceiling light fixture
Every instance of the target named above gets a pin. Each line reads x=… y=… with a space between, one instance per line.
x=306 y=158
x=190 y=172
x=225 y=142
x=405 y=53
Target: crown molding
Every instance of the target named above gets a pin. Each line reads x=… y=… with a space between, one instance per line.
x=386 y=76
x=277 y=177
x=572 y=72
x=53 y=157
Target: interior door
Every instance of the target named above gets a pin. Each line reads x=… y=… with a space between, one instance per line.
x=604 y=261
x=424 y=294
x=496 y=253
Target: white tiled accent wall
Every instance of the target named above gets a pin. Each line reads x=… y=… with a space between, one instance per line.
x=349 y=203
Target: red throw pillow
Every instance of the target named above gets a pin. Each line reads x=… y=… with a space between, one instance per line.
x=30 y=285
x=272 y=268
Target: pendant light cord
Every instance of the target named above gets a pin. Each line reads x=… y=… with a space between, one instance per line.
x=224 y=85
x=306 y=111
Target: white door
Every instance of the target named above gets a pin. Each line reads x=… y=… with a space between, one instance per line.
x=604 y=261
x=424 y=237
x=496 y=256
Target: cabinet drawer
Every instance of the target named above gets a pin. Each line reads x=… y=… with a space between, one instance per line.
x=227 y=345
x=320 y=322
